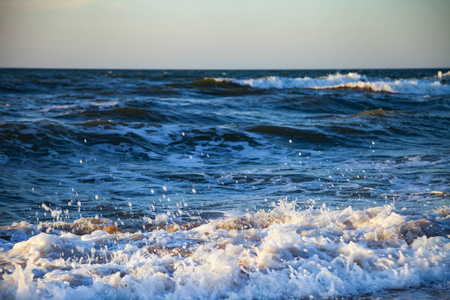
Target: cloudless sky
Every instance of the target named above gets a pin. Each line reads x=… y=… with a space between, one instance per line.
x=244 y=34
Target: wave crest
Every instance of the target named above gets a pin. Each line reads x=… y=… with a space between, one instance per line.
x=351 y=80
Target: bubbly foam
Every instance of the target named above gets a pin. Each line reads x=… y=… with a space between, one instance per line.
x=284 y=253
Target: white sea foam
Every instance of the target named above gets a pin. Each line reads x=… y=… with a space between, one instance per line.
x=284 y=253
x=80 y=106
x=58 y=108
x=430 y=86
x=107 y=104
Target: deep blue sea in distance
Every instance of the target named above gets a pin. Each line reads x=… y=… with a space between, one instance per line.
x=236 y=184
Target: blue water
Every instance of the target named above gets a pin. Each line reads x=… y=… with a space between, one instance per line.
x=164 y=147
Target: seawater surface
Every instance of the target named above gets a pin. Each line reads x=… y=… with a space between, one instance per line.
x=153 y=184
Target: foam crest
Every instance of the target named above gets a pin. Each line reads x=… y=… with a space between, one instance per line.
x=352 y=80
x=286 y=252
x=275 y=82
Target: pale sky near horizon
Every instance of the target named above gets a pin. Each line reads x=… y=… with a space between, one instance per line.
x=230 y=34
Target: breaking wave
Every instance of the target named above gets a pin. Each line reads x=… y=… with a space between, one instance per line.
x=283 y=253
x=432 y=86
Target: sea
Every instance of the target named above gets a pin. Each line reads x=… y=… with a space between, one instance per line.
x=224 y=184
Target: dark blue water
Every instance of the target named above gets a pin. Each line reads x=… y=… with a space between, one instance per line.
x=69 y=135
x=146 y=147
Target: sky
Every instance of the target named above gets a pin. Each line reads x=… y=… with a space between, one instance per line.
x=225 y=34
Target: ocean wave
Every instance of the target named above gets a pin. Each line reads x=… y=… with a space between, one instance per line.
x=352 y=80
x=296 y=133
x=130 y=114
x=52 y=139
x=365 y=86
x=212 y=82
x=283 y=253
x=443 y=77
x=97 y=123
x=374 y=113
x=214 y=86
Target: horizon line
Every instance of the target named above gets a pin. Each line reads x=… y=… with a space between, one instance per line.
x=215 y=69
